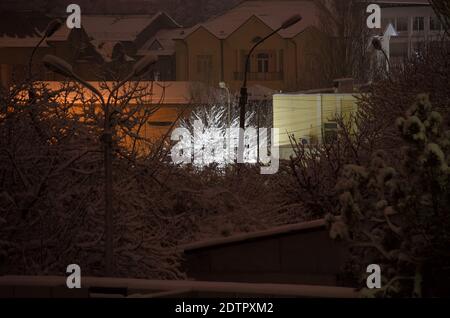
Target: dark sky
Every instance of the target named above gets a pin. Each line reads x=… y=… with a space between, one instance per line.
x=186 y=12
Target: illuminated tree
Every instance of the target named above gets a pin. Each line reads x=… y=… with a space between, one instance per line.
x=208 y=126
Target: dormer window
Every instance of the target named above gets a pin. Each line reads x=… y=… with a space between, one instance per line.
x=156 y=46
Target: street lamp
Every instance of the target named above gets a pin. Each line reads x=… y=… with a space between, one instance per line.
x=63 y=68
x=244 y=93
x=51 y=29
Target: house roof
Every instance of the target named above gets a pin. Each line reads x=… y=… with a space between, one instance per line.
x=166 y=93
x=164 y=38
x=272 y=13
x=26 y=29
x=244 y=238
x=106 y=31
x=403 y=2
x=116 y=27
x=168 y=288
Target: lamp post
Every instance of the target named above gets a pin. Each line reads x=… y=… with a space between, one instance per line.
x=224 y=86
x=63 y=68
x=376 y=43
x=51 y=29
x=244 y=93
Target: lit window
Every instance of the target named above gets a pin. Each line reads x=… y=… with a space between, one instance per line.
x=419 y=24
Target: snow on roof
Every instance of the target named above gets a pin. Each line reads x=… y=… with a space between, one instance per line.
x=108 y=30
x=272 y=13
x=157 y=286
x=26 y=29
x=422 y=2
x=32 y=41
x=116 y=27
x=242 y=238
x=165 y=39
x=174 y=93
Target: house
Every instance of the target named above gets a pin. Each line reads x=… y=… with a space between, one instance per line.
x=414 y=22
x=103 y=42
x=215 y=51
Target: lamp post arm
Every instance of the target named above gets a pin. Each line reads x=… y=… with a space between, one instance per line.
x=33 y=53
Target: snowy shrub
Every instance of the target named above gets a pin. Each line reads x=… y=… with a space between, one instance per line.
x=396 y=213
x=51 y=191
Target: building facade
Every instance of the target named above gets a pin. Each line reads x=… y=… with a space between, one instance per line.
x=414 y=25
x=216 y=51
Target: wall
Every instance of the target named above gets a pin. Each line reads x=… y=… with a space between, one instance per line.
x=304 y=115
x=287 y=71
x=306 y=257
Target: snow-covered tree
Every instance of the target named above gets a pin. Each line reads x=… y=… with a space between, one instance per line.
x=396 y=214
x=214 y=139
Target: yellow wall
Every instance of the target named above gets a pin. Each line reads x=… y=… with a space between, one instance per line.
x=287 y=57
x=303 y=115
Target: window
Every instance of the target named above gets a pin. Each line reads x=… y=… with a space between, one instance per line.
x=435 y=24
x=418 y=24
x=402 y=24
x=204 y=64
x=263 y=62
x=156 y=46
